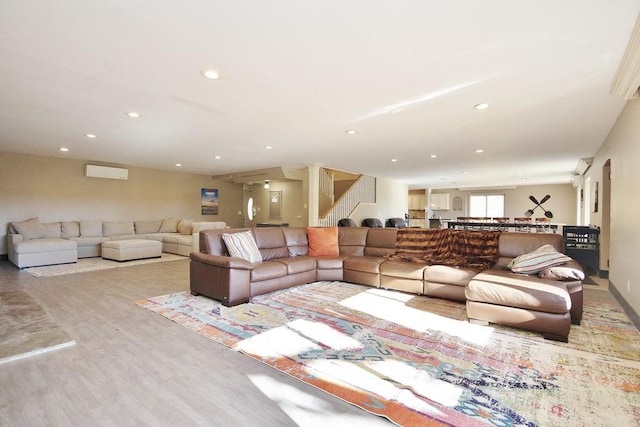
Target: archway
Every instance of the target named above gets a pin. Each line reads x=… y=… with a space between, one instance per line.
x=605 y=219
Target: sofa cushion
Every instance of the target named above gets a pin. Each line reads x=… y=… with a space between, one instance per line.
x=147 y=227
x=271 y=242
x=405 y=270
x=381 y=241
x=185 y=226
x=169 y=225
x=268 y=270
x=242 y=245
x=91 y=228
x=352 y=241
x=43 y=245
x=113 y=228
x=70 y=229
x=533 y=262
x=562 y=272
x=458 y=276
x=364 y=264
x=298 y=264
x=207 y=225
x=52 y=230
x=30 y=229
x=323 y=241
x=296 y=240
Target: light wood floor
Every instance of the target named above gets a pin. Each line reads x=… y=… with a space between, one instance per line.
x=132 y=367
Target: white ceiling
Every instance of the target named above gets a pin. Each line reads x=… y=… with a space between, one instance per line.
x=296 y=75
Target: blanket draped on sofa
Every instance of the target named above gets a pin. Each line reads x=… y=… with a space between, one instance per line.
x=443 y=246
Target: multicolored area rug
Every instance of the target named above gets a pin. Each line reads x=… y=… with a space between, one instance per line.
x=417 y=361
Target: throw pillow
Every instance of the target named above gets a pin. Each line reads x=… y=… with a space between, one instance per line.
x=242 y=245
x=30 y=229
x=534 y=262
x=169 y=225
x=323 y=241
x=561 y=273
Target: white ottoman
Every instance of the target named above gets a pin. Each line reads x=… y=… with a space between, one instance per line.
x=126 y=250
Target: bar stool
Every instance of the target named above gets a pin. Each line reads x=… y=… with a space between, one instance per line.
x=500 y=223
x=543 y=225
x=523 y=223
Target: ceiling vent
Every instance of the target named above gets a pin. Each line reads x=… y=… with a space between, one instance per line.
x=108 y=172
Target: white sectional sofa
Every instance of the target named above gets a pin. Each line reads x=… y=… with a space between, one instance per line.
x=32 y=243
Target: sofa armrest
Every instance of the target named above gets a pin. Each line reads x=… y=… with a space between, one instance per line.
x=12 y=239
x=224 y=279
x=221 y=261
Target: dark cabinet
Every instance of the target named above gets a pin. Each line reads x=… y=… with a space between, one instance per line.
x=583 y=245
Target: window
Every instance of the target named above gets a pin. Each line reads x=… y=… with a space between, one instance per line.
x=489 y=205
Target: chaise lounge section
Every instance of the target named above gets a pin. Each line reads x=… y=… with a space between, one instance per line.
x=406 y=260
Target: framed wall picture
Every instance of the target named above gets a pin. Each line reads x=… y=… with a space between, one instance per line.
x=275 y=204
x=595 y=198
x=209 y=201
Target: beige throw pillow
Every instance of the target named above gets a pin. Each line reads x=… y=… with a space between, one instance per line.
x=30 y=229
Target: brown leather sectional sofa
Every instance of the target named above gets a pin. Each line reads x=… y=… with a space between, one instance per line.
x=365 y=257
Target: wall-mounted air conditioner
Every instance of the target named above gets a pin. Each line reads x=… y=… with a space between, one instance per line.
x=577 y=180
x=95 y=171
x=583 y=165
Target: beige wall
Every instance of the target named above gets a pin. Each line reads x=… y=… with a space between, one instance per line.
x=562 y=202
x=293 y=210
x=392 y=200
x=55 y=189
x=622 y=149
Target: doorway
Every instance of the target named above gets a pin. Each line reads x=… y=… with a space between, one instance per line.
x=605 y=227
x=248 y=208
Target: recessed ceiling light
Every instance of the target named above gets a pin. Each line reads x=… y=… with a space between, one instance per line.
x=350 y=131
x=210 y=74
x=481 y=106
x=433 y=156
x=178 y=165
x=268 y=147
x=133 y=115
x=64 y=149
x=90 y=135
x=465 y=172
x=480 y=151
x=217 y=157
x=394 y=160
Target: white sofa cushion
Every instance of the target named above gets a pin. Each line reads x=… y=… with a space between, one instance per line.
x=185 y=226
x=70 y=229
x=91 y=228
x=113 y=228
x=30 y=229
x=35 y=246
x=147 y=227
x=53 y=229
x=169 y=225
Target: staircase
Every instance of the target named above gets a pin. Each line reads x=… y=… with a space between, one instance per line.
x=363 y=190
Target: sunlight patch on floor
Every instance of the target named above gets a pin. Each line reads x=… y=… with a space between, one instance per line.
x=309 y=411
x=391 y=306
x=361 y=377
x=297 y=337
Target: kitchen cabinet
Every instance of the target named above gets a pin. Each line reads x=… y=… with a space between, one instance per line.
x=440 y=202
x=417 y=202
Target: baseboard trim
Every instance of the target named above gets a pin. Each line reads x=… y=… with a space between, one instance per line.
x=635 y=318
